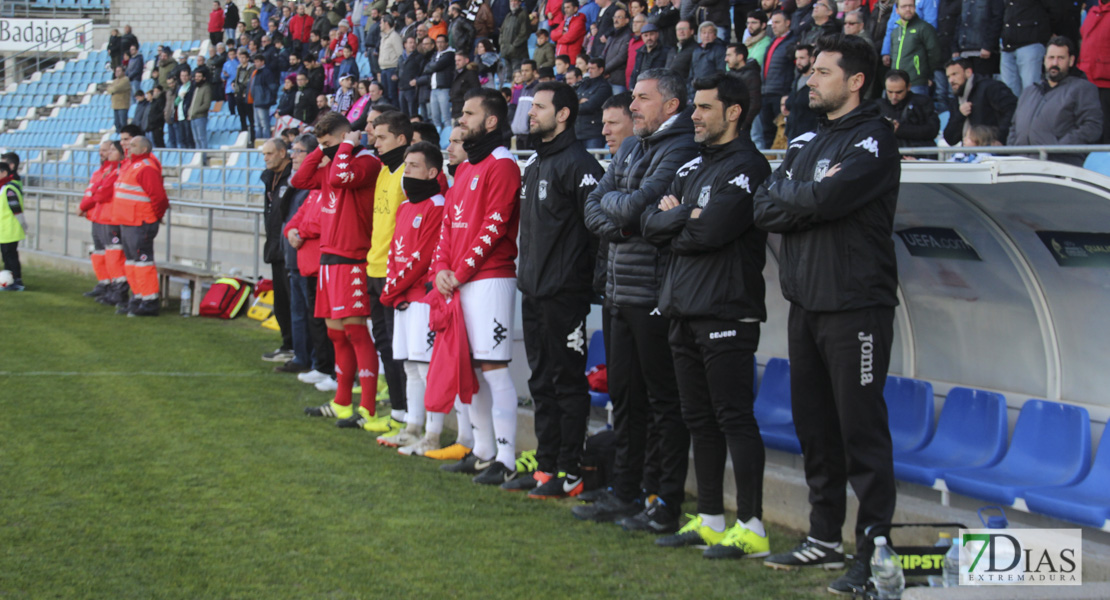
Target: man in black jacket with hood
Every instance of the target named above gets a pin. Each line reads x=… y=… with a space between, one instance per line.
x=641 y=369
x=555 y=274
x=833 y=200
x=713 y=294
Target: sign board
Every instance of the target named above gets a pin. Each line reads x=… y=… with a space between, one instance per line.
x=1077 y=249
x=937 y=242
x=47 y=35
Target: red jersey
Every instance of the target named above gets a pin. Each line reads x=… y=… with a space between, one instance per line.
x=99 y=192
x=346 y=187
x=414 y=242
x=451 y=371
x=478 y=237
x=307 y=223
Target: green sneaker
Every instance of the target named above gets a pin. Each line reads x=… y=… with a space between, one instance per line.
x=740 y=542
x=354 y=419
x=527 y=462
x=383 y=390
x=383 y=425
x=693 y=533
x=331 y=409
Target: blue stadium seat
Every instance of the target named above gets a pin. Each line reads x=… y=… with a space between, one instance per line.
x=1099 y=162
x=1087 y=502
x=772 y=408
x=595 y=355
x=971 y=432
x=1051 y=446
x=909 y=405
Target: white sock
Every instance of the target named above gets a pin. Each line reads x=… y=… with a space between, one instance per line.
x=398 y=415
x=481 y=418
x=414 y=392
x=434 y=423
x=714 y=522
x=755 y=526
x=501 y=387
x=466 y=428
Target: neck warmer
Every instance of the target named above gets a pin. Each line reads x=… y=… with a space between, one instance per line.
x=477 y=151
x=394 y=158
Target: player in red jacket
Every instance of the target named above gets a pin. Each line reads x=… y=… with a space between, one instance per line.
x=477 y=247
x=410 y=256
x=345 y=174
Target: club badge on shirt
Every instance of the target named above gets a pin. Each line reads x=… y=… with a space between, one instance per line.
x=822 y=168
x=474 y=183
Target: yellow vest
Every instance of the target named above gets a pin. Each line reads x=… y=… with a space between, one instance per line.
x=388 y=195
x=10 y=229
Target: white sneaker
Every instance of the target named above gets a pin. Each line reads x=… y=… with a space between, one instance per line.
x=399 y=439
x=423 y=445
x=327 y=385
x=312 y=376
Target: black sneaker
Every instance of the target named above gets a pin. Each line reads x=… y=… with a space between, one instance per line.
x=593 y=495
x=291 y=367
x=563 y=486
x=98 y=290
x=146 y=308
x=656 y=518
x=607 y=509
x=853 y=581
x=495 y=474
x=280 y=355
x=526 y=481
x=470 y=465
x=808 y=554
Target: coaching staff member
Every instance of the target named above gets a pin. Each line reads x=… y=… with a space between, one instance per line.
x=833 y=200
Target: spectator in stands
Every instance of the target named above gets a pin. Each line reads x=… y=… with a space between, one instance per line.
x=115 y=50
x=128 y=39
x=1062 y=110
x=199 y=107
x=915 y=48
x=262 y=95
x=616 y=51
x=460 y=31
x=155 y=117
x=747 y=69
x=304 y=100
x=216 y=19
x=322 y=108
x=120 y=89
x=800 y=118
x=757 y=39
x=913 y=116
x=1092 y=58
x=823 y=22
x=977 y=136
x=854 y=23
x=634 y=44
x=217 y=56
x=571 y=31
x=344 y=98
x=166 y=65
x=231 y=19
x=320 y=24
x=256 y=32
x=314 y=71
x=13 y=225
x=488 y=62
x=572 y=77
x=778 y=74
x=293 y=353
x=142 y=109
x=684 y=49
x=544 y=53
x=977 y=100
x=605 y=14
x=389 y=57
x=250 y=16
x=299 y=28
x=515 y=30
x=882 y=11
x=466 y=79
x=519 y=124
x=241 y=86
x=978 y=33
x=616 y=125
x=348 y=67
x=709 y=55
x=135 y=69
x=170 y=113
x=592 y=93
x=803 y=11
x=651 y=55
x=185 y=91
x=411 y=66
x=440 y=72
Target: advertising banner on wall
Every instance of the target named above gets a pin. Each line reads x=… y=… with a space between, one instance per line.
x=48 y=35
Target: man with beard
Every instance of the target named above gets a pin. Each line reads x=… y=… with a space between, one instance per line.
x=706 y=220
x=757 y=39
x=475 y=258
x=778 y=73
x=740 y=63
x=914 y=119
x=976 y=100
x=652 y=55
x=1062 y=110
x=799 y=117
x=834 y=195
x=641 y=369
x=557 y=256
x=592 y=92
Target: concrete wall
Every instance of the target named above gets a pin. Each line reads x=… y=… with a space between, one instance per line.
x=162 y=20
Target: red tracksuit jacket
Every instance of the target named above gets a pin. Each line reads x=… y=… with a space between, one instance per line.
x=346 y=187
x=307 y=223
x=451 y=372
x=99 y=193
x=410 y=255
x=478 y=236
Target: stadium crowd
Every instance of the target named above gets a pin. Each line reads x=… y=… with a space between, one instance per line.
x=379 y=257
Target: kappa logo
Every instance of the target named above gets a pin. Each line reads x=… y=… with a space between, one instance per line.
x=689 y=167
x=870 y=145
x=343 y=156
x=342 y=165
x=492 y=228
x=499 y=332
x=355 y=270
x=346 y=177
x=478 y=251
x=587 y=179
x=366 y=373
x=496 y=216
x=703 y=197
x=576 y=340
x=655 y=312
x=542 y=193
x=358 y=304
x=430 y=339
x=531 y=159
x=487 y=240
x=416 y=255
x=357 y=294
x=470 y=261
x=474 y=183
x=356 y=281
x=821 y=168
x=742 y=181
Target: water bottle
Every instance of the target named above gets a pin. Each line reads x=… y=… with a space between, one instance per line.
x=186 y=300
x=886 y=571
x=944 y=540
x=952 y=566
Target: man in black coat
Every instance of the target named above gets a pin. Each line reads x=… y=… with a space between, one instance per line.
x=913 y=116
x=466 y=79
x=276 y=181
x=592 y=92
x=616 y=51
x=683 y=53
x=977 y=100
x=652 y=55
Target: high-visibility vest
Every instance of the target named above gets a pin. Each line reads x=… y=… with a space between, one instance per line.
x=10 y=229
x=131 y=205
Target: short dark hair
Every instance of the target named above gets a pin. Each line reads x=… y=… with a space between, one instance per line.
x=577 y=72
x=857 y=55
x=597 y=62
x=898 y=74
x=759 y=15
x=132 y=130
x=307 y=140
x=622 y=101
x=384 y=107
x=564 y=57
x=433 y=156
x=529 y=63
x=962 y=62
x=396 y=122
x=807 y=47
x=493 y=103
x=562 y=96
x=741 y=49
x=441 y=36
x=730 y=91
x=293 y=131
x=670 y=84
x=779 y=11
x=1062 y=41
x=5 y=168
x=427 y=131
x=332 y=122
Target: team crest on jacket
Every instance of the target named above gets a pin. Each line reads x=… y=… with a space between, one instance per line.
x=542 y=190
x=416 y=221
x=703 y=197
x=821 y=169
x=474 y=183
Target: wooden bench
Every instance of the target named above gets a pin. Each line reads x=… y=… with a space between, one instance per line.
x=194 y=275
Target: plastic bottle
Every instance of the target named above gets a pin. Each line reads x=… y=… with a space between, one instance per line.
x=186 y=300
x=952 y=566
x=886 y=571
x=944 y=540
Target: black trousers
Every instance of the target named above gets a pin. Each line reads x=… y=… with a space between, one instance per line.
x=838 y=367
x=1104 y=100
x=323 y=352
x=642 y=387
x=767 y=114
x=281 y=303
x=10 y=254
x=714 y=363
x=157 y=137
x=555 y=341
x=381 y=319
